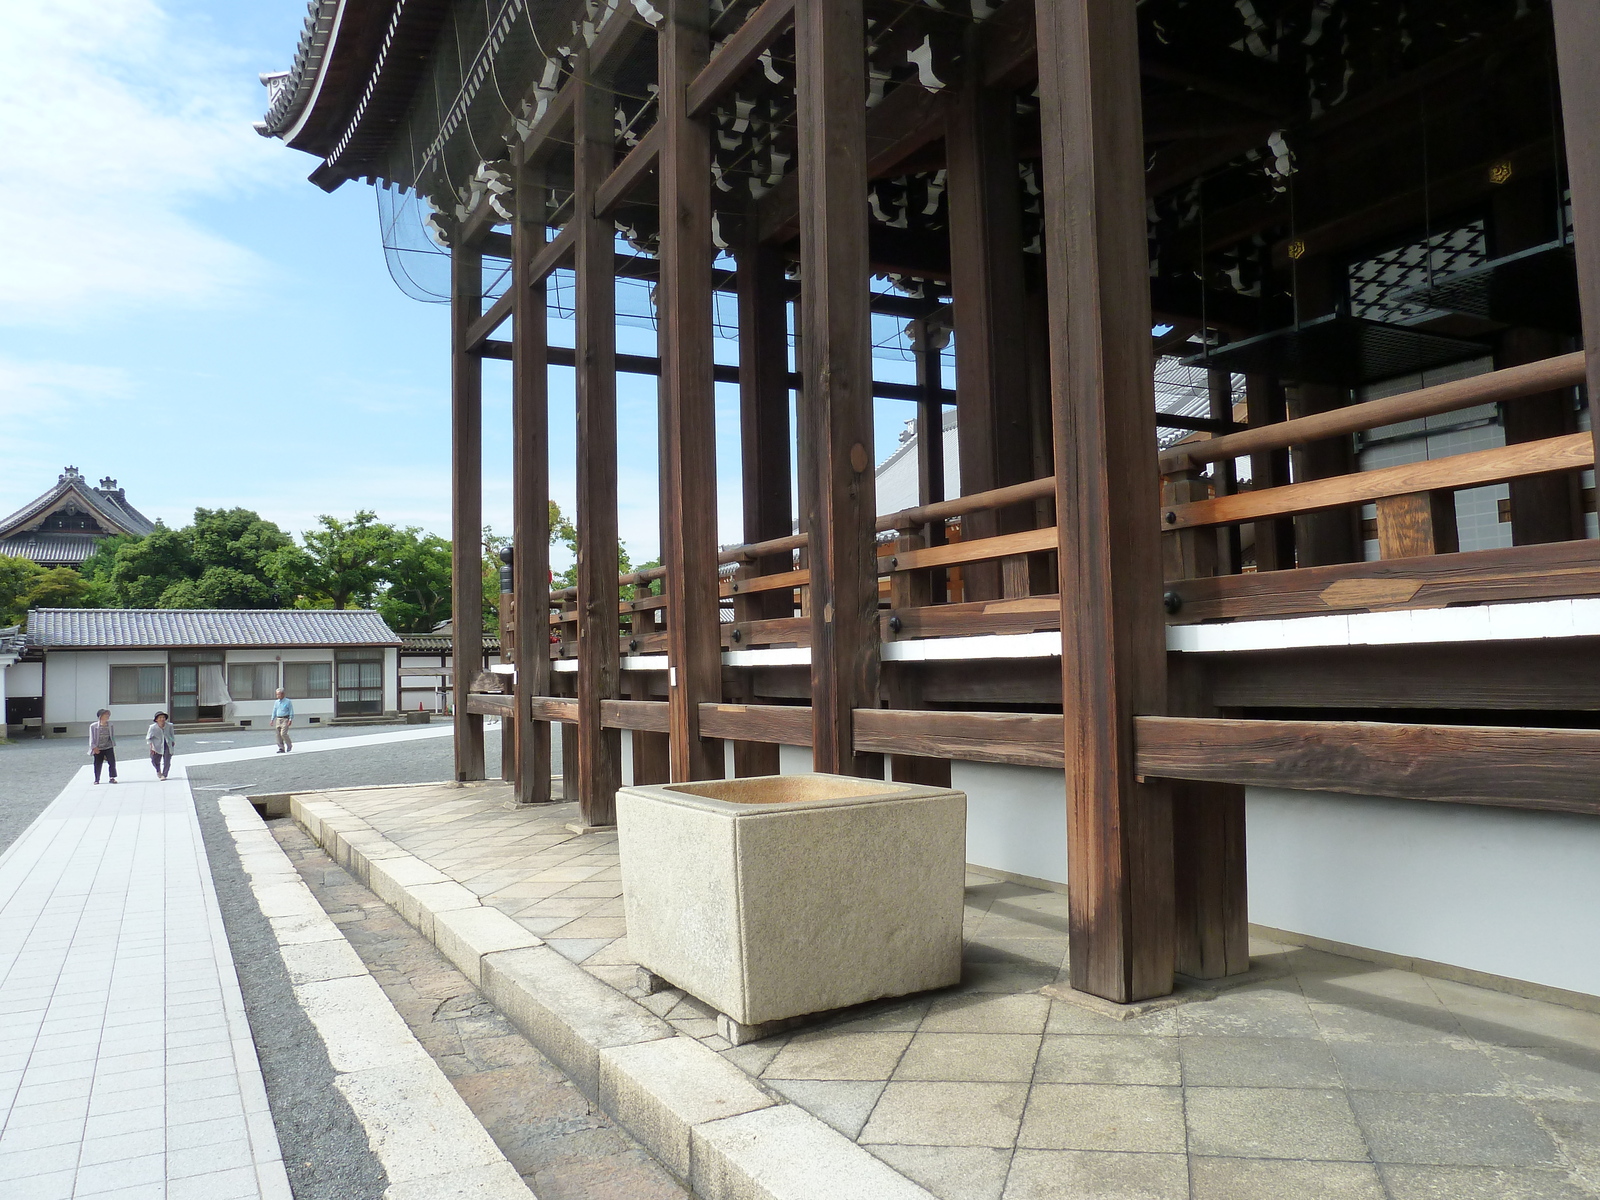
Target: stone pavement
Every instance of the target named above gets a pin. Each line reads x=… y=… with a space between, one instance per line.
x=1321 y=1076
x=564 y=1147
x=127 y=1070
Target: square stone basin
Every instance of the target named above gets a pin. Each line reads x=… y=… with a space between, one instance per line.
x=782 y=895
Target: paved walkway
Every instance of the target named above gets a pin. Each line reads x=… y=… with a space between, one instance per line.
x=127 y=1069
x=1325 y=1077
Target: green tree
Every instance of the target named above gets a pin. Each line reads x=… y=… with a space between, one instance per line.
x=338 y=563
x=417 y=595
x=146 y=568
x=17 y=576
x=58 y=587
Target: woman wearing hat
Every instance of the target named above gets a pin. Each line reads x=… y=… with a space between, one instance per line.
x=161 y=737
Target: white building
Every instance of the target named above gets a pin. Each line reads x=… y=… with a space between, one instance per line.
x=203 y=666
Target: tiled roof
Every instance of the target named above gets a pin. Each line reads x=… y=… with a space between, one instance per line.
x=137 y=628
x=433 y=643
x=108 y=503
x=51 y=549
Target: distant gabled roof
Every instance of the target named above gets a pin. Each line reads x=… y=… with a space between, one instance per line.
x=107 y=502
x=152 y=628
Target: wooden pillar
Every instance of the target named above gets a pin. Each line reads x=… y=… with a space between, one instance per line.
x=466 y=507
x=1544 y=508
x=837 y=357
x=1577 y=38
x=988 y=288
x=599 y=763
x=530 y=487
x=652 y=757
x=1119 y=830
x=1332 y=536
x=764 y=439
x=927 y=342
x=1274 y=539
x=688 y=405
x=1224 y=477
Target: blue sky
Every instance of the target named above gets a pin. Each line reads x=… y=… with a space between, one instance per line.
x=180 y=309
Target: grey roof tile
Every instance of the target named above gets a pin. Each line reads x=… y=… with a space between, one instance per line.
x=83 y=628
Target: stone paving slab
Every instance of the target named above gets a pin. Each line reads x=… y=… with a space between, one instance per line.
x=1320 y=1075
x=127 y=1068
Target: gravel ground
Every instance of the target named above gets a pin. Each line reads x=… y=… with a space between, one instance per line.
x=325 y=1147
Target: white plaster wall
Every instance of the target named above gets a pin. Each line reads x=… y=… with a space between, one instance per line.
x=1509 y=892
x=25 y=679
x=1016 y=818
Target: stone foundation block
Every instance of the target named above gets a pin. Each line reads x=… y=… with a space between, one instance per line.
x=566 y=1012
x=661 y=1089
x=465 y=935
x=784 y=895
x=784 y=1153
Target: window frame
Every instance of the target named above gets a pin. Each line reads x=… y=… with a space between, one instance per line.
x=142 y=672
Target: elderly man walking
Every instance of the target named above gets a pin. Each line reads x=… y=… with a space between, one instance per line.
x=282 y=718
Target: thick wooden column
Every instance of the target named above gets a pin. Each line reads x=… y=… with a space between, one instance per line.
x=466 y=507
x=599 y=763
x=836 y=353
x=688 y=403
x=988 y=288
x=764 y=434
x=1577 y=37
x=530 y=487
x=1119 y=831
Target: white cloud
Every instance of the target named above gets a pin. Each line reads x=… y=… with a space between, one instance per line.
x=120 y=122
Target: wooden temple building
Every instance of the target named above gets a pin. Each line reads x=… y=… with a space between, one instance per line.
x=1356 y=599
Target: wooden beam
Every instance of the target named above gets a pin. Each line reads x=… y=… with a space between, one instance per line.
x=599 y=772
x=555 y=708
x=1577 y=39
x=612 y=41
x=782 y=724
x=530 y=487
x=553 y=255
x=1510 y=766
x=688 y=403
x=1574 y=451
x=986 y=279
x=1019 y=739
x=647 y=715
x=466 y=507
x=836 y=353
x=630 y=172
x=1549 y=571
x=484 y=704
x=986 y=550
x=1119 y=830
x=485 y=325
x=738 y=54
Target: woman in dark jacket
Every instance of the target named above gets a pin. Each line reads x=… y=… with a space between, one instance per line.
x=161 y=737
x=103 y=744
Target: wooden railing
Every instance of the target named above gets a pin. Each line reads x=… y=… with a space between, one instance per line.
x=1415 y=526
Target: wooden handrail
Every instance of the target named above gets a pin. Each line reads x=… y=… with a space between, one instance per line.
x=1569 y=452
x=1509 y=383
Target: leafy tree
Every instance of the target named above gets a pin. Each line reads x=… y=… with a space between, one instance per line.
x=17 y=577
x=58 y=587
x=221 y=560
x=418 y=593
x=339 y=563
x=145 y=569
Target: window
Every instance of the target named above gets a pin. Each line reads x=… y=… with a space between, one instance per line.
x=252 y=681
x=138 y=685
x=308 y=680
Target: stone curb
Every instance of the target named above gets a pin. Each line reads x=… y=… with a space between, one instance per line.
x=708 y=1122
x=426 y=1138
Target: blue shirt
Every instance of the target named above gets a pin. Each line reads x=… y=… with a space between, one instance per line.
x=282 y=709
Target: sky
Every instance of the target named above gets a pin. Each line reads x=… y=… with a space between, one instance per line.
x=181 y=310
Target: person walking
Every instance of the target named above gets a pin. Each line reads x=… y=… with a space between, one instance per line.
x=103 y=744
x=161 y=737
x=282 y=718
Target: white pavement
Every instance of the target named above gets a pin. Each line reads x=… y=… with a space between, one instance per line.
x=127 y=1070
